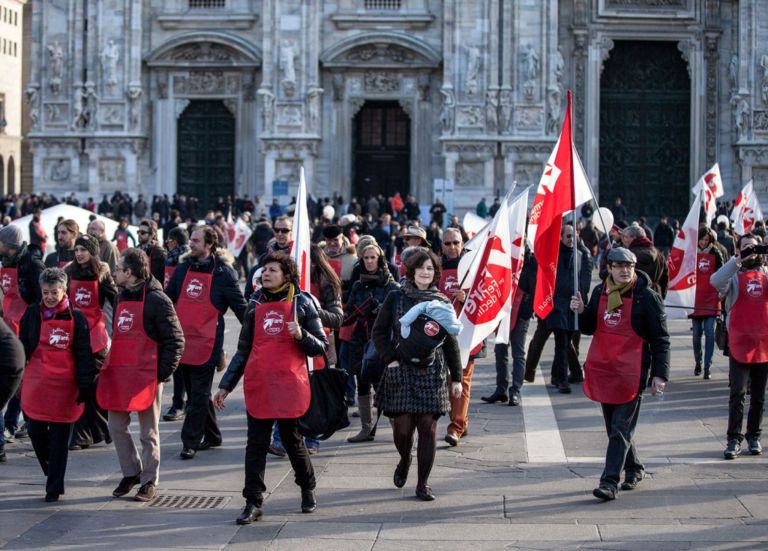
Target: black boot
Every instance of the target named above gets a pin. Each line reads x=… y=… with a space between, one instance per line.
x=697 y=369
x=251 y=513
x=497 y=396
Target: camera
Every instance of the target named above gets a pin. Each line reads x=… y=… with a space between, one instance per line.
x=757 y=249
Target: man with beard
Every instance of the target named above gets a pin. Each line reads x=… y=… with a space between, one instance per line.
x=107 y=251
x=203 y=286
x=337 y=250
x=66 y=233
x=155 y=253
x=283 y=229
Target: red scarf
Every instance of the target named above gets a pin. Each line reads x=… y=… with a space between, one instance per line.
x=50 y=313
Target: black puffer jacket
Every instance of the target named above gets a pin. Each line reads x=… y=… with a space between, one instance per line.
x=60 y=256
x=29 y=269
x=561 y=316
x=85 y=367
x=649 y=321
x=11 y=363
x=160 y=324
x=313 y=341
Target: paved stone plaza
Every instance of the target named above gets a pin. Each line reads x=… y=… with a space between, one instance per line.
x=521 y=479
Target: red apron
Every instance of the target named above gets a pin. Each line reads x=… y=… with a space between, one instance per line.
x=13 y=305
x=85 y=296
x=122 y=241
x=319 y=362
x=63 y=263
x=614 y=361
x=49 y=390
x=336 y=265
x=168 y=273
x=449 y=284
x=128 y=380
x=198 y=317
x=706 y=295
x=748 y=319
x=275 y=389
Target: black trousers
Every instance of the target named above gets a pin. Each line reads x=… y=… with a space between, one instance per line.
x=51 y=444
x=259 y=436
x=536 y=347
x=92 y=426
x=178 y=389
x=740 y=374
x=200 y=421
x=620 y=422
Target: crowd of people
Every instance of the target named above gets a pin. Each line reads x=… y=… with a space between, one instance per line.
x=98 y=325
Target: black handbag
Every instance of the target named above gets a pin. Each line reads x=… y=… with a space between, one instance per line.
x=372 y=368
x=327 y=411
x=721 y=334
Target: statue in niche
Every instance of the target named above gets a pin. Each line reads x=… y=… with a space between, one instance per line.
x=491 y=112
x=109 y=58
x=314 y=96
x=741 y=111
x=34 y=111
x=446 y=113
x=134 y=93
x=56 y=54
x=531 y=63
x=268 y=110
x=558 y=65
x=85 y=107
x=505 y=112
x=764 y=80
x=473 y=69
x=554 y=102
x=288 y=57
x=733 y=71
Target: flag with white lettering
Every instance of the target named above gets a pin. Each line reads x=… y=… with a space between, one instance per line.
x=682 y=265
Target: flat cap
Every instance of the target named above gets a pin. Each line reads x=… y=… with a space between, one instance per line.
x=620 y=254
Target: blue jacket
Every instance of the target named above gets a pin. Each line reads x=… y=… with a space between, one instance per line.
x=441 y=312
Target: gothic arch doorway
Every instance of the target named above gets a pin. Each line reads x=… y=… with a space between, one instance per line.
x=381 y=150
x=206 y=152
x=645 y=104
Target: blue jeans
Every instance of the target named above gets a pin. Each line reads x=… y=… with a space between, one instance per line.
x=705 y=326
x=620 y=422
x=517 y=342
x=343 y=358
x=13 y=413
x=308 y=442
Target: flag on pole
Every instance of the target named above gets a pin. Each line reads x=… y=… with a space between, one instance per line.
x=712 y=185
x=562 y=188
x=494 y=284
x=238 y=233
x=682 y=264
x=746 y=210
x=301 y=235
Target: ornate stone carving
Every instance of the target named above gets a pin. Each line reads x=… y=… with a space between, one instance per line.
x=555 y=108
x=605 y=45
x=580 y=67
x=733 y=72
x=741 y=115
x=558 y=66
x=112 y=171
x=760 y=121
x=528 y=150
x=134 y=94
x=33 y=105
x=377 y=54
x=57 y=170
x=712 y=58
x=422 y=85
x=56 y=67
x=381 y=82
x=249 y=86
x=355 y=104
x=180 y=105
x=447 y=109
x=505 y=112
x=492 y=112
x=55 y=113
x=470 y=115
x=529 y=117
x=86 y=105
x=639 y=4
x=231 y=105
x=288 y=57
x=289 y=115
x=337 y=84
x=479 y=150
x=527 y=174
x=314 y=107
x=580 y=11
x=407 y=105
x=267 y=109
x=763 y=72
x=290 y=149
x=162 y=85
x=111 y=114
x=109 y=58
x=470 y=174
x=205 y=52
x=473 y=68
x=685 y=48
x=530 y=70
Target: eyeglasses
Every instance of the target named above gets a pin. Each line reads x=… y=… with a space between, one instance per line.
x=282 y=230
x=449 y=243
x=143 y=232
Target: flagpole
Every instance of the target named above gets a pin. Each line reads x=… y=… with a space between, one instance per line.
x=573 y=216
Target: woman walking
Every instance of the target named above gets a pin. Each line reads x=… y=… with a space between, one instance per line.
x=708 y=261
x=414 y=389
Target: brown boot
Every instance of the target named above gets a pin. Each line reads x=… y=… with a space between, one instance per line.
x=365 y=406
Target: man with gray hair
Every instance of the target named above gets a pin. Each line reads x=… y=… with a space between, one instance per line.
x=107 y=251
x=649 y=258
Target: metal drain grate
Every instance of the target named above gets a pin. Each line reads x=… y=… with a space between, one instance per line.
x=190 y=502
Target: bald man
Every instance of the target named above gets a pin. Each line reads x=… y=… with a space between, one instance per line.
x=107 y=251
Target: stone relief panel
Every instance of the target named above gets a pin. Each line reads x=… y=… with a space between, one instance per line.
x=383 y=54
x=529 y=117
x=355 y=85
x=206 y=83
x=56 y=114
x=112 y=172
x=527 y=173
x=205 y=52
x=381 y=82
x=760 y=121
x=57 y=170
x=55 y=67
x=289 y=115
x=760 y=184
x=288 y=170
x=470 y=173
x=112 y=114
x=677 y=9
x=470 y=116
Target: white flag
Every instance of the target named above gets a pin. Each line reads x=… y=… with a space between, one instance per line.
x=682 y=265
x=746 y=210
x=712 y=185
x=301 y=234
x=238 y=233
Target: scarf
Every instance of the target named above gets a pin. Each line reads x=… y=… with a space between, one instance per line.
x=50 y=313
x=615 y=291
x=173 y=255
x=417 y=295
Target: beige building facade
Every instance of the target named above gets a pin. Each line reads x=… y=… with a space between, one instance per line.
x=11 y=21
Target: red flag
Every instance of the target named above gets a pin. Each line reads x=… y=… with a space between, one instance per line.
x=562 y=188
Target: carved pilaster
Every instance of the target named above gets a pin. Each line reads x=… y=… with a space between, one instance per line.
x=711 y=58
x=580 y=78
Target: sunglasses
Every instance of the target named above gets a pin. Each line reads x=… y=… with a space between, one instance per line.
x=142 y=232
x=282 y=230
x=449 y=243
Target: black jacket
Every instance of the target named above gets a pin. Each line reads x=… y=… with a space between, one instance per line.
x=527 y=284
x=331 y=315
x=60 y=255
x=29 y=269
x=160 y=324
x=561 y=316
x=649 y=321
x=11 y=363
x=157 y=257
x=225 y=291
x=313 y=341
x=364 y=302
x=85 y=367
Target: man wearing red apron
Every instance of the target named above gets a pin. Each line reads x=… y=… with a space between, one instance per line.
x=59 y=376
x=147 y=343
x=630 y=339
x=708 y=261
x=743 y=280
x=202 y=287
x=66 y=234
x=177 y=242
x=278 y=324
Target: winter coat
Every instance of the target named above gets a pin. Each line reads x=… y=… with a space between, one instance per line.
x=331 y=315
x=59 y=255
x=11 y=363
x=157 y=256
x=29 y=267
x=652 y=262
x=562 y=316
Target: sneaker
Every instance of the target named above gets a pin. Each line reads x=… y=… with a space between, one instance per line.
x=754 y=446
x=147 y=492
x=452 y=439
x=313 y=449
x=126 y=485
x=22 y=432
x=733 y=449
x=604 y=492
x=278 y=450
x=631 y=481
x=9 y=436
x=174 y=414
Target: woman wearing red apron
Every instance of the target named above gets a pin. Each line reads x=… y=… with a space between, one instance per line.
x=630 y=339
x=743 y=281
x=279 y=324
x=58 y=378
x=708 y=261
x=122 y=235
x=90 y=288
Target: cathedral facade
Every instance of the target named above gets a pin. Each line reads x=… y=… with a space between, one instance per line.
x=224 y=97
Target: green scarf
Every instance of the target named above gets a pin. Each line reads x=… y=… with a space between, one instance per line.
x=615 y=291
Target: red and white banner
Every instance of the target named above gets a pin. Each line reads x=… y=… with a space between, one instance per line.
x=712 y=184
x=494 y=284
x=301 y=234
x=682 y=265
x=746 y=210
x=562 y=188
x=238 y=233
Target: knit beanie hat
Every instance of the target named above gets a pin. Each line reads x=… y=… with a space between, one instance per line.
x=89 y=243
x=11 y=237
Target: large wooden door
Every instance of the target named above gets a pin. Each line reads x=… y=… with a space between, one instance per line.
x=645 y=129
x=206 y=152
x=382 y=150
